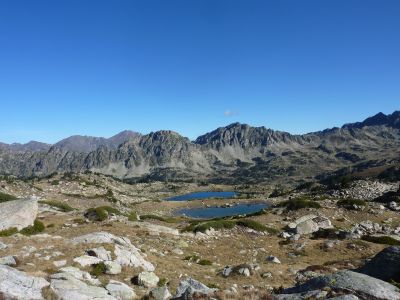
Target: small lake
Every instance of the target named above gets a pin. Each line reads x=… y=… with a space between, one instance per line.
x=219 y=212
x=203 y=195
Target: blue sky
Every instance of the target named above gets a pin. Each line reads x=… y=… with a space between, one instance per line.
x=98 y=67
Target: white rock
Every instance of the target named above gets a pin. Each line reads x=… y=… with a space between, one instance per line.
x=8 y=261
x=120 y=290
x=273 y=259
x=99 y=252
x=67 y=287
x=59 y=263
x=3 y=246
x=112 y=268
x=80 y=275
x=160 y=293
x=18 y=213
x=15 y=284
x=86 y=260
x=148 y=279
x=177 y=251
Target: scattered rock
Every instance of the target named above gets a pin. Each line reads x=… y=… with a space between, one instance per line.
x=147 y=279
x=112 y=268
x=188 y=286
x=273 y=259
x=8 y=261
x=99 y=252
x=160 y=293
x=87 y=260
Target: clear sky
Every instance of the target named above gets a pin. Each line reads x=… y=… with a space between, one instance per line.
x=97 y=67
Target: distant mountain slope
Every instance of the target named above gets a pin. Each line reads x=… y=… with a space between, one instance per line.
x=235 y=153
x=79 y=143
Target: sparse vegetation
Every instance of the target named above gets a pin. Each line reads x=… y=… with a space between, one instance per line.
x=159 y=218
x=133 y=216
x=101 y=213
x=98 y=269
x=386 y=240
x=8 y=232
x=59 y=205
x=4 y=197
x=349 y=202
x=205 y=262
x=299 y=203
x=36 y=228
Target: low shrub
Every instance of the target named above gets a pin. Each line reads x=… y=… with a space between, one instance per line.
x=349 y=202
x=159 y=218
x=101 y=213
x=252 y=224
x=8 y=232
x=98 y=269
x=217 y=225
x=4 y=197
x=386 y=240
x=205 y=262
x=133 y=216
x=36 y=228
x=295 y=204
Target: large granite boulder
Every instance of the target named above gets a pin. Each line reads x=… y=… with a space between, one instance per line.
x=309 y=223
x=189 y=288
x=360 y=285
x=385 y=265
x=18 y=213
x=15 y=284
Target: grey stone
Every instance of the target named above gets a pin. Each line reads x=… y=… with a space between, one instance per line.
x=99 y=252
x=87 y=260
x=112 y=267
x=161 y=293
x=120 y=290
x=18 y=213
x=189 y=286
x=15 y=284
x=354 y=283
x=8 y=261
x=385 y=265
x=148 y=279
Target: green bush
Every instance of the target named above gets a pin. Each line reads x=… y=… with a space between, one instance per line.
x=36 y=228
x=295 y=204
x=4 y=197
x=350 y=202
x=101 y=213
x=386 y=240
x=205 y=262
x=98 y=269
x=133 y=216
x=57 y=204
x=159 y=218
x=8 y=232
x=55 y=182
x=252 y=224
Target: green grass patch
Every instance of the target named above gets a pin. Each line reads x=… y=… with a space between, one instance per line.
x=36 y=228
x=133 y=216
x=101 y=213
x=350 y=202
x=4 y=197
x=159 y=218
x=59 y=205
x=252 y=225
x=98 y=269
x=386 y=240
x=8 y=232
x=299 y=203
x=205 y=262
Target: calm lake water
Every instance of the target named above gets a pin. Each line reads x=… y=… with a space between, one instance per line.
x=202 y=195
x=218 y=212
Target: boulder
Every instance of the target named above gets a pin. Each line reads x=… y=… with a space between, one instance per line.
x=147 y=279
x=309 y=223
x=120 y=290
x=99 y=252
x=8 y=261
x=66 y=287
x=188 y=287
x=112 y=268
x=18 y=213
x=160 y=293
x=126 y=253
x=87 y=260
x=385 y=265
x=15 y=284
x=352 y=282
x=80 y=275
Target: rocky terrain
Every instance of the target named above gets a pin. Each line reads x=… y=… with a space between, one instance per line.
x=234 y=154
x=91 y=236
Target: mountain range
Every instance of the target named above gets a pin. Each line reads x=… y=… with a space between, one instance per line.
x=232 y=154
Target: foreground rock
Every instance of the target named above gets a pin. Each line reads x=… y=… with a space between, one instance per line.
x=189 y=287
x=120 y=290
x=15 y=284
x=18 y=213
x=363 y=286
x=385 y=265
x=309 y=223
x=126 y=253
x=64 y=286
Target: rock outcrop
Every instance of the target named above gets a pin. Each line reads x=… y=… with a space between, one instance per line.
x=18 y=213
